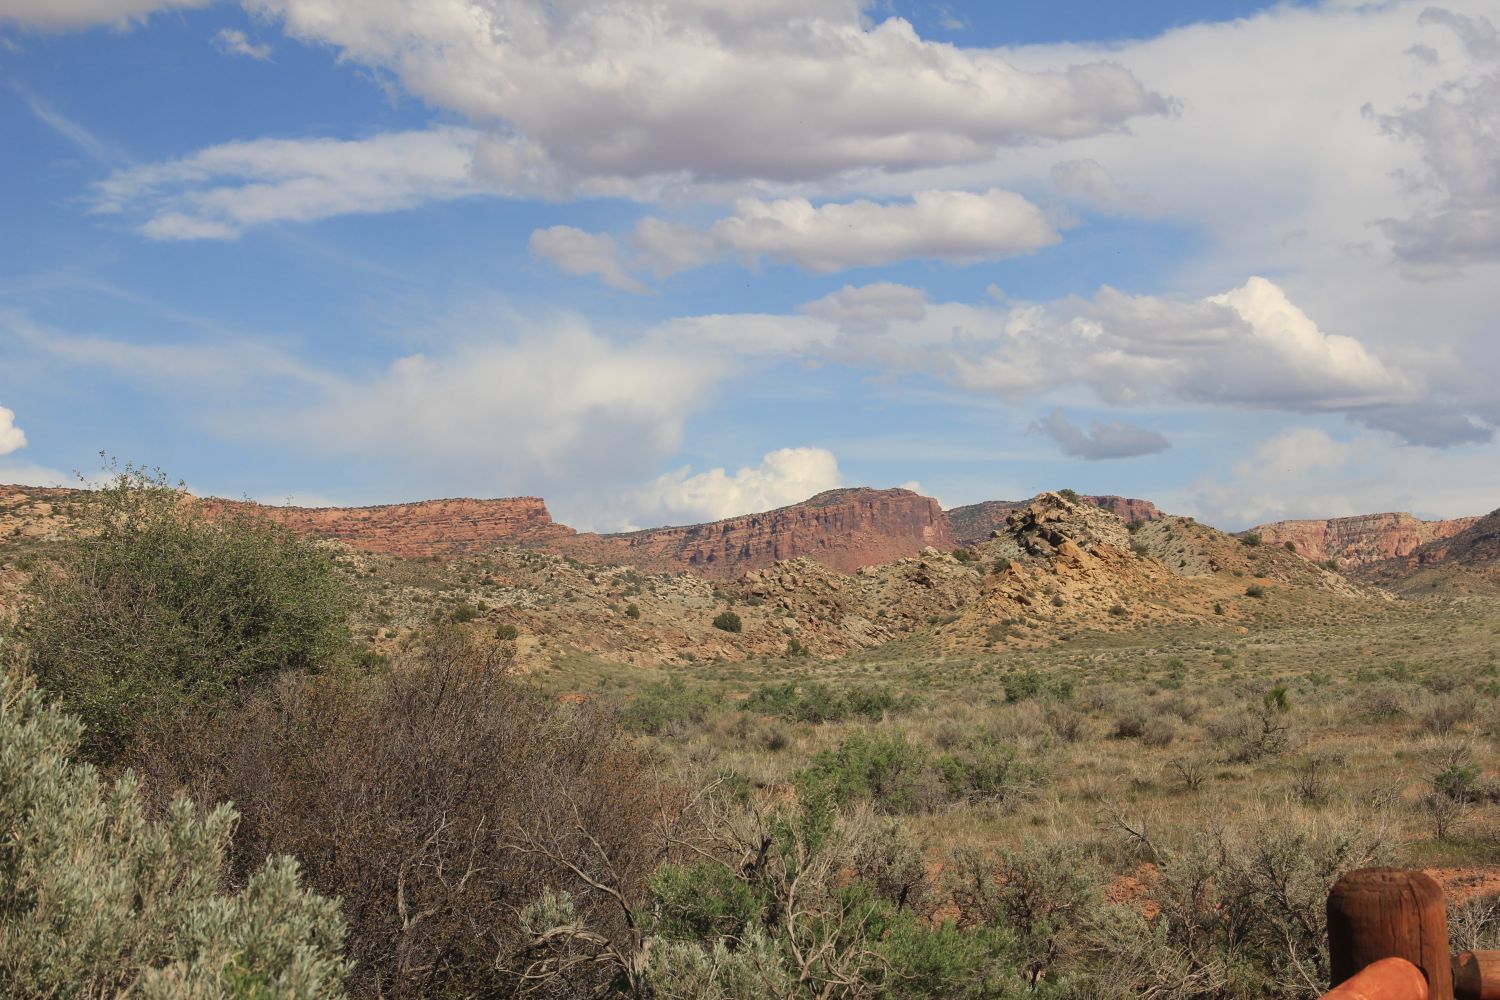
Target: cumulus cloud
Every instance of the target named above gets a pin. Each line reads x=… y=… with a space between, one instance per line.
x=234 y=42
x=783 y=477
x=219 y=192
x=65 y=15
x=954 y=226
x=539 y=409
x=628 y=89
x=1249 y=347
x=577 y=252
x=1101 y=439
x=1455 y=128
x=12 y=438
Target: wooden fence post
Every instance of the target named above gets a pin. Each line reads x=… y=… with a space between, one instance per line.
x=1378 y=913
x=1476 y=975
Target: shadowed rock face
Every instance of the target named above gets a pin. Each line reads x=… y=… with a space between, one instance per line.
x=428 y=528
x=975 y=522
x=842 y=529
x=1361 y=540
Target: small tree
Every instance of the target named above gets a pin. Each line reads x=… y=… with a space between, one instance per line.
x=728 y=621
x=96 y=900
x=154 y=605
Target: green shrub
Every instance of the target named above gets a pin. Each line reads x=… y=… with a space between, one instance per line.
x=633 y=611
x=1070 y=495
x=1250 y=539
x=507 y=632
x=465 y=612
x=665 y=706
x=155 y=606
x=772 y=699
x=702 y=900
x=883 y=768
x=1023 y=685
x=98 y=900
x=817 y=702
x=728 y=621
x=987 y=768
x=1255 y=590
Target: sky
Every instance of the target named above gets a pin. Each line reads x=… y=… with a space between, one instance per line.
x=672 y=260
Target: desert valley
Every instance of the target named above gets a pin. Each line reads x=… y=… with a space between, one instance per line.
x=1116 y=712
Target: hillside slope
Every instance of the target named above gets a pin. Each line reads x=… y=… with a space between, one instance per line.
x=975 y=522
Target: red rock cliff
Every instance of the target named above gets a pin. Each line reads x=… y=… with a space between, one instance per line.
x=1363 y=539
x=428 y=528
x=843 y=529
x=975 y=522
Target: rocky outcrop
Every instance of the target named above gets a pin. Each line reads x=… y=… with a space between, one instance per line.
x=976 y=522
x=842 y=529
x=1363 y=540
x=1473 y=552
x=427 y=528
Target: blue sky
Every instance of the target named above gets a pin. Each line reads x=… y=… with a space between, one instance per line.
x=673 y=260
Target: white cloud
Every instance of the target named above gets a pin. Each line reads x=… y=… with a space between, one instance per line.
x=870 y=307
x=954 y=226
x=629 y=89
x=205 y=367
x=1101 y=439
x=234 y=42
x=577 y=252
x=783 y=477
x=12 y=438
x=63 y=15
x=27 y=474
x=1457 y=129
x=555 y=409
x=1305 y=472
x=219 y=192
x=1250 y=347
x=1089 y=183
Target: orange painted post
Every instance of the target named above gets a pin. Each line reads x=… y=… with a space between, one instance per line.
x=1476 y=975
x=1387 y=979
x=1381 y=913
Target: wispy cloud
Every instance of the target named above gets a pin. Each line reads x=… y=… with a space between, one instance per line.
x=219 y=192
x=234 y=42
x=95 y=148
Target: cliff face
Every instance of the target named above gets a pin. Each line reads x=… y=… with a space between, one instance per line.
x=1362 y=540
x=975 y=522
x=842 y=529
x=1473 y=552
x=428 y=528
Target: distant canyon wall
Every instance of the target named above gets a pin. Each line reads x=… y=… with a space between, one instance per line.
x=1361 y=540
x=426 y=528
x=843 y=529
